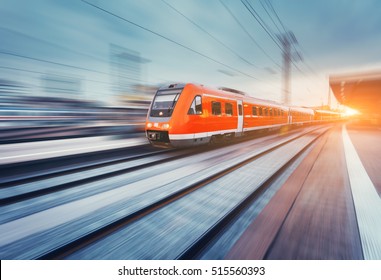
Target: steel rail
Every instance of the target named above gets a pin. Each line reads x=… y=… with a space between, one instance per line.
x=103 y=231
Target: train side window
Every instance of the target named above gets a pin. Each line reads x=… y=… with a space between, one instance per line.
x=265 y=111
x=254 y=111
x=229 y=109
x=260 y=111
x=216 y=108
x=196 y=106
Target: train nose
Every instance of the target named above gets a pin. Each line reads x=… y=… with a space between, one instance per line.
x=152 y=136
x=158 y=136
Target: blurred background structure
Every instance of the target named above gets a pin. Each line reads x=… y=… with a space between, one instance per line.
x=86 y=63
x=360 y=91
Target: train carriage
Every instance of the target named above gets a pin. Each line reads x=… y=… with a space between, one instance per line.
x=188 y=114
x=325 y=115
x=185 y=115
x=300 y=115
x=263 y=114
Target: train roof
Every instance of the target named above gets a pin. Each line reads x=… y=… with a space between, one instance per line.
x=302 y=109
x=232 y=90
x=240 y=94
x=265 y=102
x=172 y=86
x=246 y=97
x=327 y=112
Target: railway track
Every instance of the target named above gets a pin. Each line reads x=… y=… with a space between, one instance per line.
x=77 y=221
x=34 y=170
x=44 y=133
x=26 y=192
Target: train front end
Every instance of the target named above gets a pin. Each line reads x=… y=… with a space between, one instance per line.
x=159 y=120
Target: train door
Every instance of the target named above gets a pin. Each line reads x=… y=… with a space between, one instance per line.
x=289 y=116
x=240 y=118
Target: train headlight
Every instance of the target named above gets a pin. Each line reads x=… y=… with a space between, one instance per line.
x=149 y=125
x=165 y=126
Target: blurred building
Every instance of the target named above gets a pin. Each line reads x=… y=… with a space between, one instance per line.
x=126 y=70
x=61 y=85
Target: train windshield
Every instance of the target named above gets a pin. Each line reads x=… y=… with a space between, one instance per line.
x=164 y=103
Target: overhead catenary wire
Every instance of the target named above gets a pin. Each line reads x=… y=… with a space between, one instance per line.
x=273 y=36
x=44 y=73
x=280 y=27
x=269 y=15
x=208 y=33
x=267 y=29
x=61 y=64
x=276 y=15
x=285 y=37
x=248 y=34
x=168 y=39
x=261 y=22
x=285 y=30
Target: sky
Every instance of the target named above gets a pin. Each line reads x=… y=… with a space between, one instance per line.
x=76 y=48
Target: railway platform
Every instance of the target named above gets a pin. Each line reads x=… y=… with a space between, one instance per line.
x=329 y=208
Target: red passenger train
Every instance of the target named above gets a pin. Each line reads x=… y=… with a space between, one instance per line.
x=184 y=115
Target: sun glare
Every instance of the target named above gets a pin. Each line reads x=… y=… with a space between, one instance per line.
x=349 y=112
